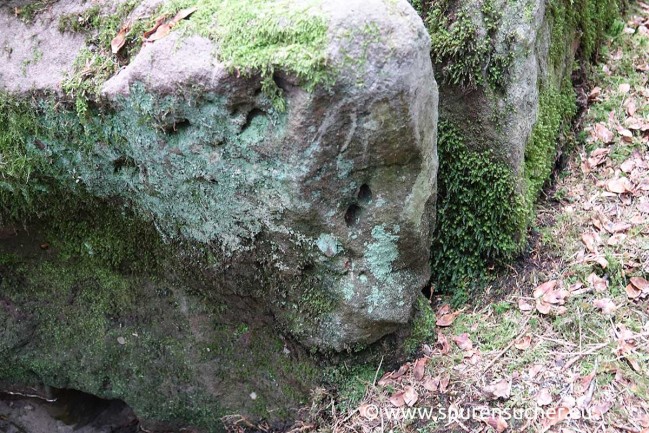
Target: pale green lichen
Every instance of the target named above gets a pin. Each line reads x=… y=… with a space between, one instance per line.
x=381 y=254
x=328 y=244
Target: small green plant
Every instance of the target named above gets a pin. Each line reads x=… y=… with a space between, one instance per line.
x=502 y=307
x=28 y=12
x=95 y=63
x=423 y=326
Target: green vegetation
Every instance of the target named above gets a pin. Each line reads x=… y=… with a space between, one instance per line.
x=556 y=109
x=28 y=12
x=256 y=37
x=423 y=326
x=20 y=160
x=95 y=64
x=588 y=20
x=484 y=208
x=261 y=37
x=483 y=211
x=481 y=215
x=465 y=57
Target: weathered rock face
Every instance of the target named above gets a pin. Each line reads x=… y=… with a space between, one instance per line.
x=345 y=177
x=311 y=223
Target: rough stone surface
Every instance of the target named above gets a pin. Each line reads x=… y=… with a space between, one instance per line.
x=35 y=55
x=310 y=225
x=502 y=119
x=303 y=170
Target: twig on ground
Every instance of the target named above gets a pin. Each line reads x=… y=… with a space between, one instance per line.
x=509 y=346
x=586 y=353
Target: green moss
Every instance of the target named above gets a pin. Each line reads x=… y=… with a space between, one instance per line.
x=105 y=278
x=483 y=208
x=261 y=37
x=423 y=326
x=463 y=56
x=95 y=63
x=20 y=160
x=28 y=12
x=481 y=215
x=556 y=108
x=88 y=20
x=352 y=383
x=585 y=20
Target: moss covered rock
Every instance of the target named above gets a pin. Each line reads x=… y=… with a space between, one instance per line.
x=186 y=222
x=504 y=69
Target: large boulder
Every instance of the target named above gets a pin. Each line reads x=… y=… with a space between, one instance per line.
x=264 y=174
x=506 y=93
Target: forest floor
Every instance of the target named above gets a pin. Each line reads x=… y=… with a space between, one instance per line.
x=567 y=349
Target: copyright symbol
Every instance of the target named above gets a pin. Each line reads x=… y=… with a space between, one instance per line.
x=369 y=411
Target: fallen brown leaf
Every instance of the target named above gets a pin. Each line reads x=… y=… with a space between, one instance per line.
x=398 y=399
x=603 y=133
x=598 y=408
x=410 y=396
x=419 y=369
x=616 y=239
x=619 y=186
x=162 y=31
x=626 y=134
x=554 y=416
x=543 y=307
x=368 y=411
x=628 y=165
x=597 y=283
x=534 y=370
x=432 y=383
x=523 y=343
x=442 y=344
x=497 y=422
x=120 y=40
x=594 y=94
x=402 y=370
x=631 y=108
x=447 y=319
x=544 y=397
x=182 y=14
x=640 y=283
x=598 y=156
x=540 y=290
x=158 y=23
x=501 y=389
x=632 y=291
x=463 y=341
x=589 y=240
x=523 y=305
x=606 y=305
